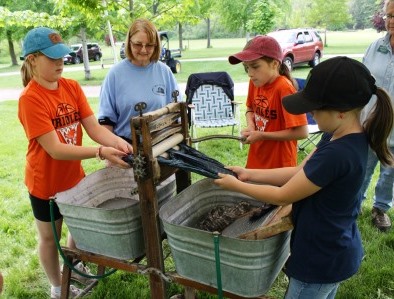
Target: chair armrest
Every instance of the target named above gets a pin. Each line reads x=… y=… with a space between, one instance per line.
x=236 y=103
x=192 y=108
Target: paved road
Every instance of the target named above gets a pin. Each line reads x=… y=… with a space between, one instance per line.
x=240 y=89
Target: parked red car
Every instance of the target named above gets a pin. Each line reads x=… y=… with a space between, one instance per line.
x=299 y=46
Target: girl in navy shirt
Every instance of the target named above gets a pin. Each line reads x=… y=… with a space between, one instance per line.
x=324 y=189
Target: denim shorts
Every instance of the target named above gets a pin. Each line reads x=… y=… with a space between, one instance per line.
x=41 y=209
x=303 y=290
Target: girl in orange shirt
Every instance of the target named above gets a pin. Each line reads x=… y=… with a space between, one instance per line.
x=52 y=111
x=271 y=131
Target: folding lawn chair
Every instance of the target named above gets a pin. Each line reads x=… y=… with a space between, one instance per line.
x=314 y=133
x=210 y=97
x=313 y=138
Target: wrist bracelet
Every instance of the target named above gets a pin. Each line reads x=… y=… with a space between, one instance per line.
x=98 y=153
x=249 y=111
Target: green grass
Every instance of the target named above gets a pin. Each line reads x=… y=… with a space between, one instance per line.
x=346 y=42
x=24 y=277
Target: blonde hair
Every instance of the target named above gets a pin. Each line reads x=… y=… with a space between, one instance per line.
x=27 y=70
x=146 y=26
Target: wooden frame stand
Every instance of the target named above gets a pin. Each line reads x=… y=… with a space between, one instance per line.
x=148 y=142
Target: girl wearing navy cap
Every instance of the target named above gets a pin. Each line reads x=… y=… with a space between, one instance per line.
x=325 y=246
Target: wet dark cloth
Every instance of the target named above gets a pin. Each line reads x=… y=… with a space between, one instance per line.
x=190 y=159
x=222 y=216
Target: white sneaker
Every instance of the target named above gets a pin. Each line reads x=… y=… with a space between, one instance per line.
x=74 y=292
x=79 y=278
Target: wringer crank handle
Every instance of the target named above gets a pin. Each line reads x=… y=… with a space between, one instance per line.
x=175 y=95
x=138 y=162
x=140 y=107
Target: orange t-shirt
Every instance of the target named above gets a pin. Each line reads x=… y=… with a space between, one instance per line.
x=270 y=116
x=41 y=111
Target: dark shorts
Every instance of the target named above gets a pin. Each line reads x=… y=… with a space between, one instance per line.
x=41 y=209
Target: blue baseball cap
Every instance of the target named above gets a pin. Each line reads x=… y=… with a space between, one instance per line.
x=47 y=41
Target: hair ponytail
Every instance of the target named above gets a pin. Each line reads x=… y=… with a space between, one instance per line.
x=283 y=70
x=26 y=72
x=378 y=127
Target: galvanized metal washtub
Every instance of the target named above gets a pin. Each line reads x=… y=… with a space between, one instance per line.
x=248 y=268
x=102 y=212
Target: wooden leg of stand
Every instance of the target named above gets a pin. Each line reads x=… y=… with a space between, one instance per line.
x=190 y=293
x=100 y=270
x=66 y=277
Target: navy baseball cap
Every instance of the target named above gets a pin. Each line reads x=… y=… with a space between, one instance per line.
x=340 y=83
x=47 y=41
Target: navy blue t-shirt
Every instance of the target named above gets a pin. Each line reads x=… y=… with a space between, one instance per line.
x=325 y=243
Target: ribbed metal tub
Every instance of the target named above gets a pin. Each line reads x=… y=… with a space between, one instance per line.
x=102 y=214
x=248 y=268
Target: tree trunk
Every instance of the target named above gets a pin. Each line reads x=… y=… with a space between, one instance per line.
x=11 y=48
x=155 y=6
x=208 y=33
x=180 y=30
x=111 y=37
x=88 y=75
x=325 y=37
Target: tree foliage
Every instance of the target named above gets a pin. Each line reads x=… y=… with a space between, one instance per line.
x=377 y=18
x=332 y=14
x=28 y=19
x=362 y=13
x=262 y=17
x=296 y=18
x=235 y=14
x=283 y=12
x=268 y=14
x=17 y=18
x=247 y=16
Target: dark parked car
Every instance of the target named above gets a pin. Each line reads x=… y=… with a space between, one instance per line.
x=94 y=53
x=299 y=46
x=167 y=55
x=121 y=52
